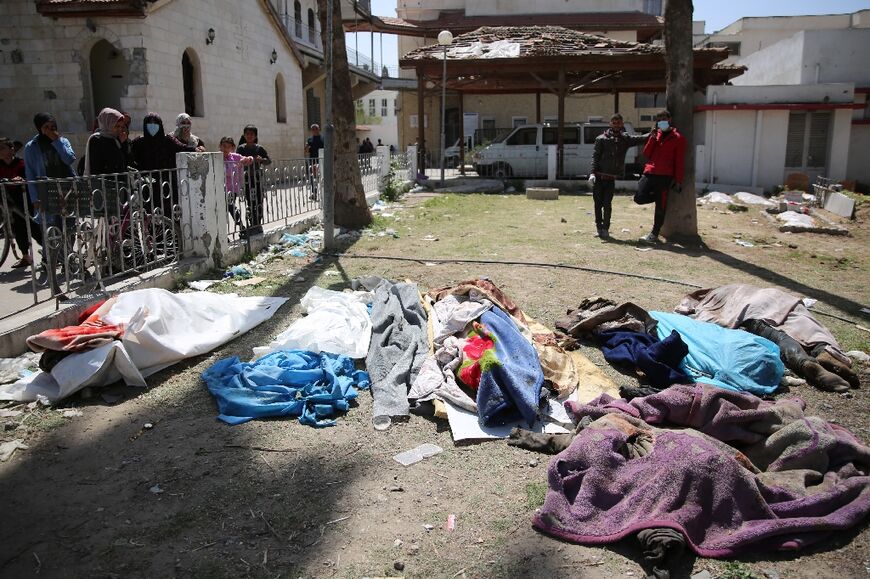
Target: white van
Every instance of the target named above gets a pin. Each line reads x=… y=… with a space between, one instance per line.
x=523 y=151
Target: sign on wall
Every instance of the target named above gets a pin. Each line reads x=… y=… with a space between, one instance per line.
x=415 y=124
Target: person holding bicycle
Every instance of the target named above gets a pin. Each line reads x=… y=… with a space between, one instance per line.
x=17 y=203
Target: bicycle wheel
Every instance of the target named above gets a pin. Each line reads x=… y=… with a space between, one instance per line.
x=5 y=238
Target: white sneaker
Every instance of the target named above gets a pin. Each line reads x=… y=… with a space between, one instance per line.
x=650 y=238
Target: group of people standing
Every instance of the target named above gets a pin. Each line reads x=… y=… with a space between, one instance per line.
x=665 y=151
x=109 y=150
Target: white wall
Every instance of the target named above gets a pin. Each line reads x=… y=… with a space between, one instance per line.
x=858 y=166
x=817 y=93
x=838 y=158
x=841 y=56
x=778 y=64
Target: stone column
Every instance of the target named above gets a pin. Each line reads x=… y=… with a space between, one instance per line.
x=383 y=166
x=203 y=201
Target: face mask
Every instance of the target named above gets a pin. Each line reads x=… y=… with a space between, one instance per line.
x=663 y=125
x=152 y=128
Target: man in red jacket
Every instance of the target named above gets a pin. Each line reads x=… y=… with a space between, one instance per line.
x=665 y=152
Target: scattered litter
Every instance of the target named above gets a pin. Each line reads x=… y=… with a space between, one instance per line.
x=156 y=489
x=203 y=284
x=430 y=238
x=809 y=302
x=533 y=463
x=417 y=454
x=148 y=426
x=298 y=279
x=382 y=422
x=858 y=355
x=626 y=230
x=251 y=281
x=13 y=369
x=398 y=566
x=5 y=413
x=398 y=543
x=239 y=271
x=330 y=273
x=429 y=263
x=7 y=449
x=744 y=243
x=71 y=413
x=752 y=199
x=428 y=527
x=451 y=522
x=643 y=248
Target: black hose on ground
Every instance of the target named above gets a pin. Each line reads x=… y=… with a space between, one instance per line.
x=523 y=263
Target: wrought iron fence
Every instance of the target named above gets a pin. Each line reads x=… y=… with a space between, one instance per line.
x=401 y=166
x=85 y=231
x=369 y=168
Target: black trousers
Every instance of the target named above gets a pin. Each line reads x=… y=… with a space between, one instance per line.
x=602 y=194
x=254 y=198
x=791 y=352
x=20 y=209
x=654 y=188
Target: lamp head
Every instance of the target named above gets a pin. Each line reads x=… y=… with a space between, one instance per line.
x=209 y=39
x=445 y=37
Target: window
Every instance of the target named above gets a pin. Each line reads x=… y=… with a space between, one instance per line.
x=192 y=83
x=313 y=103
x=649 y=100
x=297 y=18
x=372 y=107
x=807 y=140
x=518 y=121
x=384 y=110
x=527 y=136
x=551 y=120
x=487 y=123
x=395 y=108
x=280 y=100
x=653 y=7
x=312 y=27
x=570 y=136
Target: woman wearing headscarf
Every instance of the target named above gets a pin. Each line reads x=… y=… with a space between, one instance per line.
x=183 y=124
x=249 y=147
x=103 y=153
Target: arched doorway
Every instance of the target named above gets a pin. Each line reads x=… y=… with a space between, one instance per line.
x=110 y=74
x=191 y=76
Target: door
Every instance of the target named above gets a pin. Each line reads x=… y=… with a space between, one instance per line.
x=572 y=160
x=522 y=153
x=807 y=143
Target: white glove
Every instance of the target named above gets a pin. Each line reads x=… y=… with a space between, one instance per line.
x=591 y=179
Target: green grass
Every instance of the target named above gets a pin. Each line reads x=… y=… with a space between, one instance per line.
x=535 y=494
x=737 y=570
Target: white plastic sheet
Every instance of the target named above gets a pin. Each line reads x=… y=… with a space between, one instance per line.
x=795 y=219
x=716 y=197
x=752 y=199
x=162 y=328
x=337 y=323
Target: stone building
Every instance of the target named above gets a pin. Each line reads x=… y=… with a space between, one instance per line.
x=227 y=64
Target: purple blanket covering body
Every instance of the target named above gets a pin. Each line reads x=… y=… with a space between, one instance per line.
x=793 y=480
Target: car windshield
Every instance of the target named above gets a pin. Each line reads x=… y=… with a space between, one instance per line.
x=502 y=135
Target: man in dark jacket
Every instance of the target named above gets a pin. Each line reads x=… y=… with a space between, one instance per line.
x=608 y=165
x=250 y=147
x=665 y=152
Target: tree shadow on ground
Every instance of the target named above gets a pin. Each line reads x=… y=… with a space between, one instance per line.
x=187 y=495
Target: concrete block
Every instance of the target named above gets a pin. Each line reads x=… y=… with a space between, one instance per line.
x=840 y=204
x=542 y=193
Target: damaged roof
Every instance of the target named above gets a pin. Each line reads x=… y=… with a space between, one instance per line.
x=530 y=42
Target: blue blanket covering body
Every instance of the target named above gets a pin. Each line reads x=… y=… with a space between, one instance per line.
x=731 y=359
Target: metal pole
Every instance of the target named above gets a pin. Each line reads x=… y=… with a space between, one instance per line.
x=329 y=145
x=443 y=108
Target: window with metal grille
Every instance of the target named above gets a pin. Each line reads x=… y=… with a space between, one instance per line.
x=807 y=140
x=649 y=100
x=372 y=107
x=384 y=110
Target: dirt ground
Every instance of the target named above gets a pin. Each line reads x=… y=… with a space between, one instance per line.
x=101 y=495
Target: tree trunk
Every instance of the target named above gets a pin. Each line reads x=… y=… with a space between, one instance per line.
x=351 y=209
x=681 y=219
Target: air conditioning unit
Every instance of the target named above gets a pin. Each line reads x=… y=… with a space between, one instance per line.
x=596 y=119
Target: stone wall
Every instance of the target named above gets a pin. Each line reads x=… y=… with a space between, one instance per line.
x=45 y=65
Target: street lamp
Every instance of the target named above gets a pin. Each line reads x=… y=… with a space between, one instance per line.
x=445 y=38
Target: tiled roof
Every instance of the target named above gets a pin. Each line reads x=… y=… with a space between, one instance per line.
x=533 y=41
x=92 y=7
